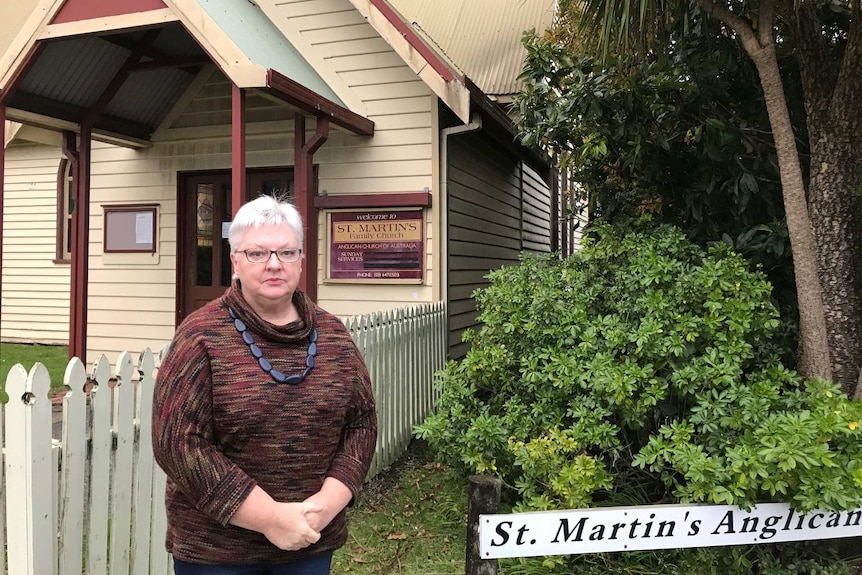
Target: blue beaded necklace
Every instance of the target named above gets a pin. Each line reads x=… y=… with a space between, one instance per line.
x=265 y=365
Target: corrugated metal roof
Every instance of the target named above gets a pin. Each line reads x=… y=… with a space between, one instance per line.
x=70 y=75
x=74 y=71
x=481 y=38
x=148 y=95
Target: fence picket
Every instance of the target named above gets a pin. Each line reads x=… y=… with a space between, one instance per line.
x=421 y=359
x=100 y=479
x=100 y=464
x=74 y=454
x=392 y=349
x=121 y=478
x=17 y=464
x=29 y=493
x=160 y=560
x=402 y=377
x=362 y=337
x=54 y=480
x=43 y=498
x=143 y=466
x=384 y=343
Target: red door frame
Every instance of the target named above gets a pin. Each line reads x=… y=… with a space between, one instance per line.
x=185 y=241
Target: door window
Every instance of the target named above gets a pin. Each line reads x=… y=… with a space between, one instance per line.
x=204 y=268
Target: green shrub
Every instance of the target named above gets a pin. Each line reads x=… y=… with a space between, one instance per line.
x=641 y=370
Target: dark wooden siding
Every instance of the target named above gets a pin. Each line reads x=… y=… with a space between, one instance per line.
x=537 y=212
x=497 y=207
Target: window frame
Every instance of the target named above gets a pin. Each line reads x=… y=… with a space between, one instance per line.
x=64 y=211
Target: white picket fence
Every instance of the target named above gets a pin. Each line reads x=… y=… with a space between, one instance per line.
x=403 y=349
x=91 y=501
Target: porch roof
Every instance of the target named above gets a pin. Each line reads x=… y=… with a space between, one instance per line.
x=72 y=62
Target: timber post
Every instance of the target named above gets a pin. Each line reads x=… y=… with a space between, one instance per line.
x=483 y=497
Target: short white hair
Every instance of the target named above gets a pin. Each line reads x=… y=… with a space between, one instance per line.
x=264 y=210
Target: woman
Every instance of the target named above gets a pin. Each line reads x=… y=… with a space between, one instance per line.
x=263 y=416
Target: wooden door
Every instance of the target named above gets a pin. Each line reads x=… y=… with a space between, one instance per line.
x=203 y=251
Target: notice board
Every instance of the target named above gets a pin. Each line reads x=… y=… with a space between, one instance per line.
x=377 y=246
x=130 y=228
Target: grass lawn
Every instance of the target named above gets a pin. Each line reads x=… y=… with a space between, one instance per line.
x=55 y=358
x=410 y=520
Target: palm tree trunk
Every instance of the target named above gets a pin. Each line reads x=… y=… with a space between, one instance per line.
x=760 y=47
x=815 y=361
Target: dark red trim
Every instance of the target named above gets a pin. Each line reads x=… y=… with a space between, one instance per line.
x=77 y=10
x=313 y=103
x=248 y=170
x=304 y=193
x=59 y=241
x=43 y=106
x=414 y=40
x=69 y=161
x=399 y=200
x=80 y=250
x=183 y=243
x=70 y=146
x=237 y=148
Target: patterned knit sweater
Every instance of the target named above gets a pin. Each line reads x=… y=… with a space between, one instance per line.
x=221 y=425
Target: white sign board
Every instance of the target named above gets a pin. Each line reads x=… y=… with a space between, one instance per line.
x=656 y=527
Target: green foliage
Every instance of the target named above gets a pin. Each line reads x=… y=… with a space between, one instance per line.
x=643 y=369
x=682 y=134
x=764 y=440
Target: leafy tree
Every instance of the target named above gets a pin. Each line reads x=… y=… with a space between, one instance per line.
x=823 y=219
x=682 y=135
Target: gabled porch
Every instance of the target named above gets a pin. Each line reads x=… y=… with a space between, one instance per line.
x=113 y=73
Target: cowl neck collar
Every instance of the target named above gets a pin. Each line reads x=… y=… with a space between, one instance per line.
x=264 y=330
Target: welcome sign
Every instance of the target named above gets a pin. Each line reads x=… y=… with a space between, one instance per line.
x=656 y=527
x=376 y=245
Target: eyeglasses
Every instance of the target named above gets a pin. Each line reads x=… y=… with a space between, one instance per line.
x=259 y=256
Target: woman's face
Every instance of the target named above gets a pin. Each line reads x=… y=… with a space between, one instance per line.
x=263 y=284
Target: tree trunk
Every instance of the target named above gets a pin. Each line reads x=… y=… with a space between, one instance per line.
x=833 y=206
x=812 y=323
x=832 y=105
x=760 y=47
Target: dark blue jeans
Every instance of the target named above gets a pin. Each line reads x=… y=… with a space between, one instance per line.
x=316 y=565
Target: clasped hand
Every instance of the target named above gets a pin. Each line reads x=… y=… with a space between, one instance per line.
x=290 y=528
